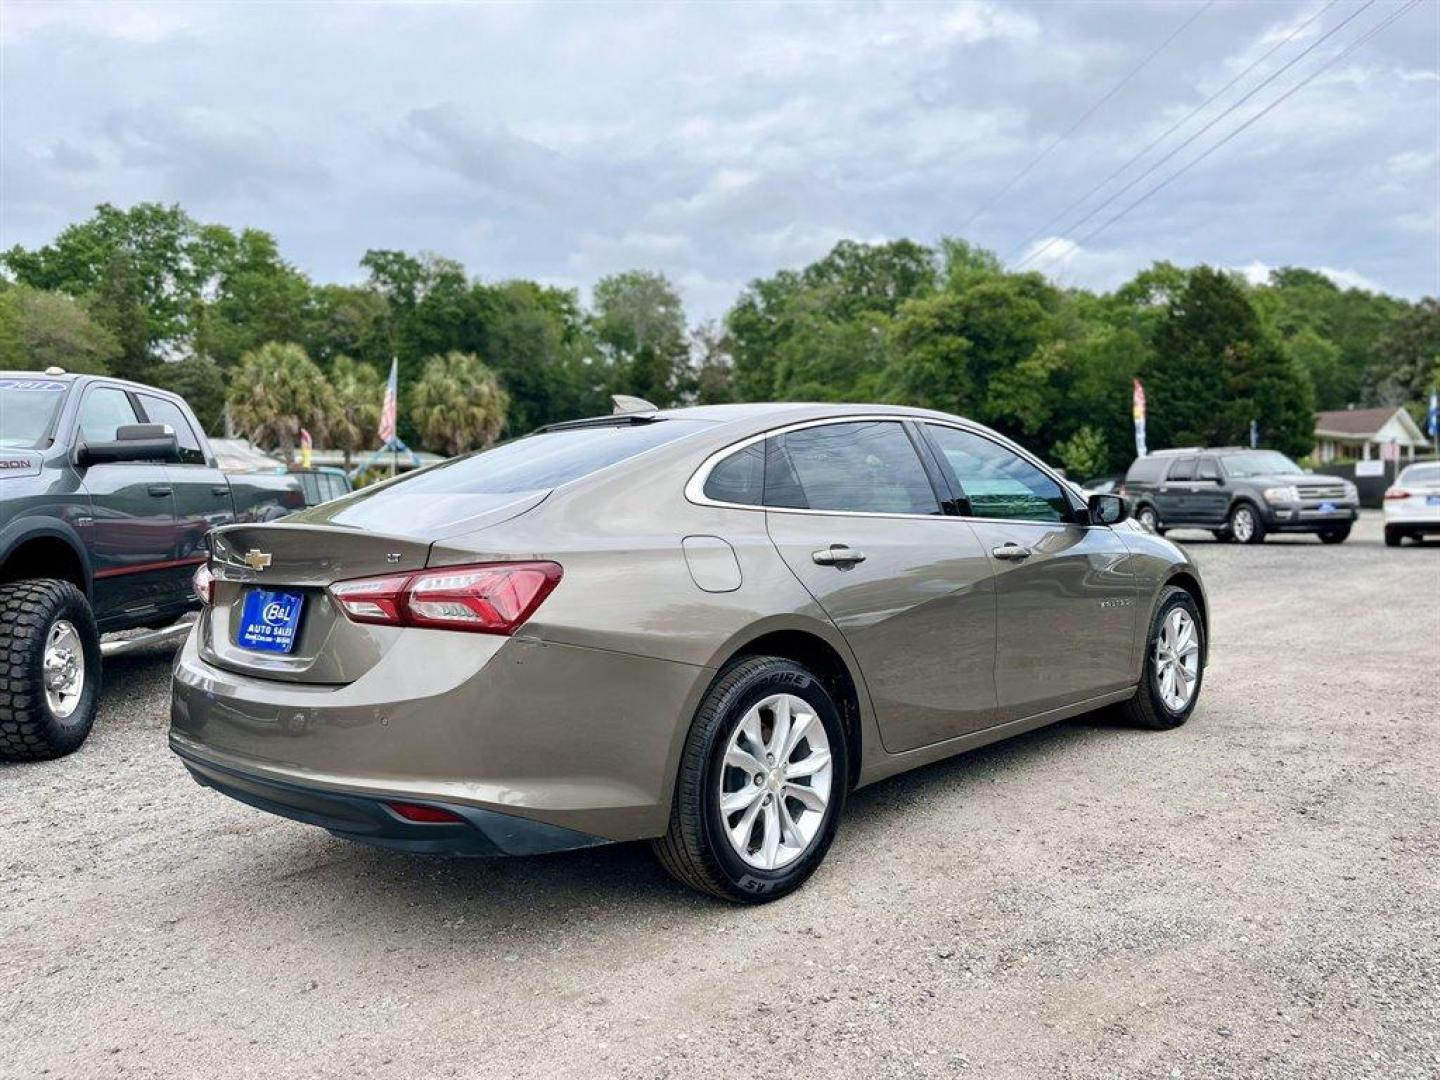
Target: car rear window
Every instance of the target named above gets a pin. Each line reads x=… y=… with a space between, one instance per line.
x=1146 y=470
x=1421 y=474
x=544 y=460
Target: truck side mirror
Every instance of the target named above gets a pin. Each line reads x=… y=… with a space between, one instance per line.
x=132 y=442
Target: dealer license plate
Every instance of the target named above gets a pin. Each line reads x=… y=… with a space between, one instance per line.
x=269 y=620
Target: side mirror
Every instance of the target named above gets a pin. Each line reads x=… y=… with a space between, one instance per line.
x=1107 y=510
x=132 y=442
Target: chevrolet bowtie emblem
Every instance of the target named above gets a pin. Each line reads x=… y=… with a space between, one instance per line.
x=257 y=559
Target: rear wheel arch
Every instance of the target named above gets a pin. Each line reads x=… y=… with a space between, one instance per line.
x=826 y=663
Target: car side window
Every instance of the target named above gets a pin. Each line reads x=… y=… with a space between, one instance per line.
x=739 y=478
x=172 y=416
x=998 y=482
x=1208 y=469
x=864 y=466
x=1182 y=469
x=104 y=410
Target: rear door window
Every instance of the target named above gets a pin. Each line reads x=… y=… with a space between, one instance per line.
x=739 y=478
x=863 y=466
x=1182 y=469
x=1208 y=469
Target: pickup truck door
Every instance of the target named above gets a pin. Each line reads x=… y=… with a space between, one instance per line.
x=202 y=494
x=132 y=516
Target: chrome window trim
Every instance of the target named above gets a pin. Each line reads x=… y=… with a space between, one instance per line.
x=695 y=486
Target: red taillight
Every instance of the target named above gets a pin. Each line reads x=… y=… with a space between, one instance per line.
x=1396 y=493
x=430 y=815
x=203 y=583
x=493 y=598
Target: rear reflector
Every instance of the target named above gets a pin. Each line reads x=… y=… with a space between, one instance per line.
x=491 y=598
x=429 y=815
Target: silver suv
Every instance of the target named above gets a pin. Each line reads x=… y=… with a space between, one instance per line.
x=1239 y=494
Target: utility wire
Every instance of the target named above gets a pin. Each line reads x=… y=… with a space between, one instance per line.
x=1085 y=116
x=1191 y=139
x=1377 y=29
x=1083 y=199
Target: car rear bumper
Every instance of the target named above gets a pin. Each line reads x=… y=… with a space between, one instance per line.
x=584 y=740
x=369 y=820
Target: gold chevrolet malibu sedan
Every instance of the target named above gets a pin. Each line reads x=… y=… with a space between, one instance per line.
x=702 y=627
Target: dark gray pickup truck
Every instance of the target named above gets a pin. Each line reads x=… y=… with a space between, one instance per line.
x=108 y=490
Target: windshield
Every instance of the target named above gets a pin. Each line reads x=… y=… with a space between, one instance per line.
x=1260 y=463
x=28 y=408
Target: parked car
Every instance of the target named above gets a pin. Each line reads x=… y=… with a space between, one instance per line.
x=1412 y=504
x=1238 y=494
x=107 y=492
x=702 y=626
x=1104 y=485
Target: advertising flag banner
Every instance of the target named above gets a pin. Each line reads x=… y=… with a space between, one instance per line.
x=305 y=447
x=1254 y=434
x=388 y=403
x=1432 y=418
x=1137 y=408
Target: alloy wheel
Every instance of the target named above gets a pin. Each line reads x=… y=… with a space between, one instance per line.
x=64 y=669
x=1177 y=659
x=1243 y=526
x=775 y=782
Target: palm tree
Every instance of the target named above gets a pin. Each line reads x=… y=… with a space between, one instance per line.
x=275 y=391
x=358 y=390
x=458 y=404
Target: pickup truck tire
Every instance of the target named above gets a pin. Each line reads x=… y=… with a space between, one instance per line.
x=36 y=724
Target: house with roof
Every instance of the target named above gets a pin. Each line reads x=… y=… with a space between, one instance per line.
x=1361 y=434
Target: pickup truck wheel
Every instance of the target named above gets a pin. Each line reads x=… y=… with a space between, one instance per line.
x=49 y=670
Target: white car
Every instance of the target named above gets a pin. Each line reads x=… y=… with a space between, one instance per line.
x=1412 y=505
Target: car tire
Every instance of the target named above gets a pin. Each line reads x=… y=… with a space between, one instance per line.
x=1335 y=536
x=698 y=849
x=1393 y=536
x=1246 y=524
x=1149 y=708
x=46 y=622
x=1149 y=520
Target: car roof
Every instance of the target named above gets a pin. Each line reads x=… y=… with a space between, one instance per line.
x=87 y=377
x=770 y=412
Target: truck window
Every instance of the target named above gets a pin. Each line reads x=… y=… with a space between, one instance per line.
x=172 y=416
x=1182 y=469
x=1209 y=469
x=29 y=408
x=105 y=409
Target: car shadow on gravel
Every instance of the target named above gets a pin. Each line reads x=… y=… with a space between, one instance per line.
x=518 y=897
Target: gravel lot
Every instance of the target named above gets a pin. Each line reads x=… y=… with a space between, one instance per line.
x=1256 y=894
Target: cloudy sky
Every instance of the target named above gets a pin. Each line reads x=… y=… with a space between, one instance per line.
x=719 y=142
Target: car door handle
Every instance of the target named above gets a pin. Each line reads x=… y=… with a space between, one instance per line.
x=159 y=489
x=837 y=555
x=1010 y=551
x=219 y=489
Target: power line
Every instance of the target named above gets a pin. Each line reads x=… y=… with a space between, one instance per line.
x=1377 y=29
x=1085 y=116
x=1083 y=199
x=1191 y=139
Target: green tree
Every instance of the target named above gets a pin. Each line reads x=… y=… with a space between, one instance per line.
x=1410 y=349
x=359 y=389
x=253 y=296
x=39 y=329
x=275 y=391
x=714 y=364
x=1085 y=454
x=458 y=404
x=199 y=380
x=639 y=325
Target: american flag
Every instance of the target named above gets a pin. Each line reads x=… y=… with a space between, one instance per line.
x=387 y=403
